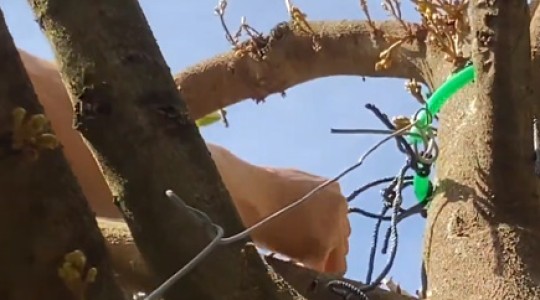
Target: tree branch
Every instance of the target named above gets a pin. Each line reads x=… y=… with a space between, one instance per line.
x=312 y=285
x=128 y=110
x=348 y=48
x=134 y=275
x=43 y=212
x=132 y=272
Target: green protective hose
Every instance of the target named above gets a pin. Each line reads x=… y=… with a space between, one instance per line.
x=422 y=185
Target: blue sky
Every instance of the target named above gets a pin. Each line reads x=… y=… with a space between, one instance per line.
x=289 y=132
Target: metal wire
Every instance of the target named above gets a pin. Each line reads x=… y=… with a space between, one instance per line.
x=217 y=240
x=220 y=240
x=346 y=290
x=401 y=143
x=361 y=160
x=427 y=156
x=431 y=149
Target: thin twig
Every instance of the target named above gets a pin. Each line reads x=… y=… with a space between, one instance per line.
x=365 y=9
x=394 y=7
x=220 y=11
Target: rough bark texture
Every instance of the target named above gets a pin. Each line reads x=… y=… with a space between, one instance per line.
x=127 y=261
x=313 y=285
x=135 y=276
x=482 y=233
x=142 y=136
x=481 y=236
x=43 y=213
x=348 y=48
x=256 y=191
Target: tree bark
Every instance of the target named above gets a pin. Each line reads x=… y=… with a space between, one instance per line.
x=482 y=228
x=534 y=28
x=135 y=276
x=313 y=285
x=482 y=238
x=482 y=221
x=347 y=48
x=139 y=129
x=43 y=213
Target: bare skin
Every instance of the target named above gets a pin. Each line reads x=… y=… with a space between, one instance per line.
x=314 y=234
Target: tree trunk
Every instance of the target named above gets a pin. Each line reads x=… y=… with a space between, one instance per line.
x=43 y=213
x=128 y=109
x=482 y=238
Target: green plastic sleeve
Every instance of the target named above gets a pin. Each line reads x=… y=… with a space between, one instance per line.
x=422 y=184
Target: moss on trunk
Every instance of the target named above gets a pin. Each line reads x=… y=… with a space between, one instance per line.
x=43 y=213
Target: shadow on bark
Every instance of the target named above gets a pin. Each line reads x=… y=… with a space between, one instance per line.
x=43 y=213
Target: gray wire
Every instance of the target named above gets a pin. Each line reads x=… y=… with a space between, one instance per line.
x=220 y=240
x=370 y=131
x=431 y=149
x=159 y=291
x=271 y=217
